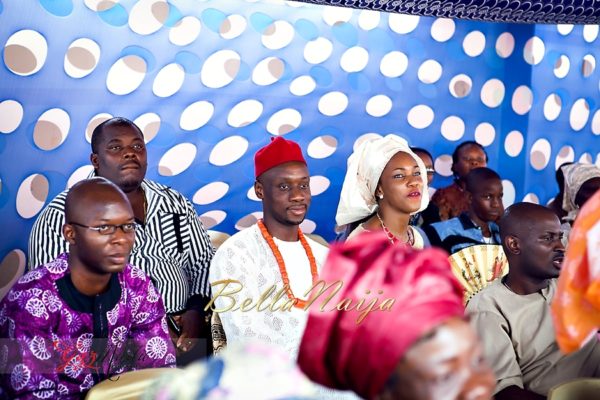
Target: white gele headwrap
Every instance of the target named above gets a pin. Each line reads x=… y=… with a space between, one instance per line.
x=365 y=166
x=575 y=176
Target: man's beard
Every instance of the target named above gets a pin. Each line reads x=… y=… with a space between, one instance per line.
x=129 y=184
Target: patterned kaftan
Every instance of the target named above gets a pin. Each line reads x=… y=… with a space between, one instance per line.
x=51 y=351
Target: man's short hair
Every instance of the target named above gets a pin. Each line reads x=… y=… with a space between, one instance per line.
x=476 y=176
x=515 y=217
x=113 y=122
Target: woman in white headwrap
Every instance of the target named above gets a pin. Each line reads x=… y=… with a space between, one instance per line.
x=385 y=184
x=581 y=182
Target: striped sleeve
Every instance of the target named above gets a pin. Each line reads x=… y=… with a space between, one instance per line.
x=199 y=256
x=46 y=240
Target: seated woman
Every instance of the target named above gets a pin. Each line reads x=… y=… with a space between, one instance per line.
x=581 y=182
x=483 y=188
x=452 y=200
x=385 y=183
x=418 y=347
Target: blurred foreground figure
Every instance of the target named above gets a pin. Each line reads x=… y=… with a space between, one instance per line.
x=421 y=348
x=576 y=307
x=253 y=370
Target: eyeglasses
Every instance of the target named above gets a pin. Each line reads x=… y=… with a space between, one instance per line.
x=108 y=229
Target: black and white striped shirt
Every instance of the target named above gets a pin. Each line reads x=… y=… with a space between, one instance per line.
x=172 y=247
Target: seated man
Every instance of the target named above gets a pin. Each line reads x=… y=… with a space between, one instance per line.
x=512 y=314
x=272 y=252
x=483 y=189
x=171 y=245
x=88 y=314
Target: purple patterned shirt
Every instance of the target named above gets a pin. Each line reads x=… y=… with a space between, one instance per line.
x=48 y=348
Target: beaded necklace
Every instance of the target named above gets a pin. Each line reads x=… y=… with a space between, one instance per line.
x=298 y=303
x=392 y=238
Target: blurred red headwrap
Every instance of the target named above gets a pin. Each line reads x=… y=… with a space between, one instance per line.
x=339 y=353
x=279 y=151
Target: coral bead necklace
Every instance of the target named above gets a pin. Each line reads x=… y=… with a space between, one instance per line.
x=392 y=238
x=298 y=303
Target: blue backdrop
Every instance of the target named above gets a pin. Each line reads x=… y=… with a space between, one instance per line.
x=210 y=82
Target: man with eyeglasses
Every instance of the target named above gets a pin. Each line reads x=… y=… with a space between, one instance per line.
x=88 y=314
x=171 y=245
x=512 y=314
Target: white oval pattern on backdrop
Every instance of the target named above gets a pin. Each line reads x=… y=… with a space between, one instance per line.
x=206 y=82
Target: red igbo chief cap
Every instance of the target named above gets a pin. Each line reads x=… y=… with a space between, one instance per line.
x=279 y=151
x=339 y=353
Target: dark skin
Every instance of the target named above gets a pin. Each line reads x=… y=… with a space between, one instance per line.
x=586 y=191
x=93 y=257
x=446 y=364
x=531 y=238
x=401 y=186
x=428 y=165
x=469 y=158
x=122 y=159
x=485 y=203
x=285 y=194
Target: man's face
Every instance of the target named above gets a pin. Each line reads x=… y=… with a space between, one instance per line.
x=101 y=254
x=469 y=157
x=121 y=157
x=486 y=200
x=285 y=193
x=542 y=251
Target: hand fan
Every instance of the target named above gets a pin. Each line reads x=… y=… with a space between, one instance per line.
x=476 y=266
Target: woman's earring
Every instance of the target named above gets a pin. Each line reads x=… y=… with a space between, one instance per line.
x=380 y=196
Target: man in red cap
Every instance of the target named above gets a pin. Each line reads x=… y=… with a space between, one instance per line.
x=268 y=267
x=418 y=348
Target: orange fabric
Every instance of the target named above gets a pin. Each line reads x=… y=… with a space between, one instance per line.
x=576 y=306
x=451 y=201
